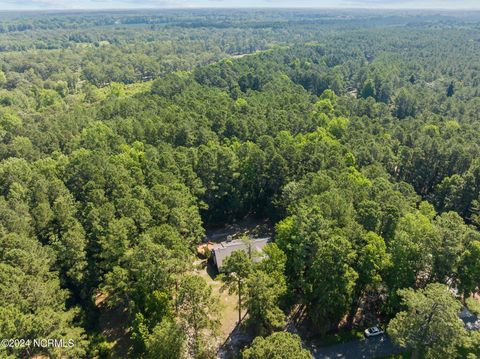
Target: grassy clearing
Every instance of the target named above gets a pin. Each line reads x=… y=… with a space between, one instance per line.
x=228 y=305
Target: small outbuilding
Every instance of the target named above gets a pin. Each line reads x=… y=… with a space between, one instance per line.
x=204 y=249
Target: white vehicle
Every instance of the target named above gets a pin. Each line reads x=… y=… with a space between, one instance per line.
x=473 y=325
x=373 y=332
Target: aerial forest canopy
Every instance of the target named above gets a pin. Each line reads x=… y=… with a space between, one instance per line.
x=124 y=135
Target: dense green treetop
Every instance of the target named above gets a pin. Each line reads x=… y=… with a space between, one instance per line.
x=123 y=135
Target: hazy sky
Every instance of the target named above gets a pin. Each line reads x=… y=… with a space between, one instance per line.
x=122 y=4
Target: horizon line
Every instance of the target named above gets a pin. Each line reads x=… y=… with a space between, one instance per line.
x=244 y=8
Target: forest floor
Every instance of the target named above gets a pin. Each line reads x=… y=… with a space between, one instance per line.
x=113 y=326
x=248 y=226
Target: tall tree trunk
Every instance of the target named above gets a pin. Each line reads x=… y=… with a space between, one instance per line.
x=176 y=296
x=239 y=302
x=414 y=354
x=357 y=296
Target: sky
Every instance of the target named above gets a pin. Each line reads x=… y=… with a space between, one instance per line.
x=132 y=4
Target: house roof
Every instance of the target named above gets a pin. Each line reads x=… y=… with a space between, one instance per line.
x=225 y=249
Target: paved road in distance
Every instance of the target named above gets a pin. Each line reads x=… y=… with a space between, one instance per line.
x=370 y=348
